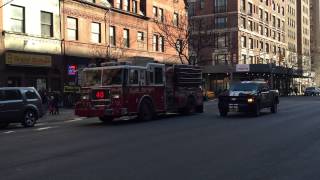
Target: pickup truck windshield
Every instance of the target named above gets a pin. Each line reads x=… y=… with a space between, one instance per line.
x=244 y=87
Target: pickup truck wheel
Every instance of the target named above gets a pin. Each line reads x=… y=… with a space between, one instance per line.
x=199 y=109
x=223 y=113
x=4 y=125
x=257 y=110
x=30 y=118
x=146 y=112
x=274 y=108
x=106 y=119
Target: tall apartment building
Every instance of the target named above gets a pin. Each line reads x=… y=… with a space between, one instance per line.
x=291 y=34
x=44 y=45
x=315 y=40
x=303 y=36
x=250 y=32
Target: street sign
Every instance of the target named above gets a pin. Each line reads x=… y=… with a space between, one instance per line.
x=242 y=68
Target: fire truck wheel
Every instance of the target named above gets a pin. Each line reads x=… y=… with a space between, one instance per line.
x=106 y=119
x=146 y=112
x=190 y=107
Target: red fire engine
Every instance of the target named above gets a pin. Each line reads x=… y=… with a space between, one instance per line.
x=116 y=90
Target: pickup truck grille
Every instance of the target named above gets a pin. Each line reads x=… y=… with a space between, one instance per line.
x=234 y=99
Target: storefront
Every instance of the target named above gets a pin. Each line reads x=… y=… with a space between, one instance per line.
x=32 y=70
x=280 y=78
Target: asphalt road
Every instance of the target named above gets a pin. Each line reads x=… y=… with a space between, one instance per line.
x=284 y=146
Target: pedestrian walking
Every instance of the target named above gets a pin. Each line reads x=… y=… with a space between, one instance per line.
x=296 y=91
x=56 y=104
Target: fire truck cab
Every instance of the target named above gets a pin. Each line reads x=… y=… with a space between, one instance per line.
x=117 y=90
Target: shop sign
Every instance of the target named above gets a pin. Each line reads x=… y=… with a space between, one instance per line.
x=19 y=59
x=71 y=89
x=242 y=68
x=72 y=70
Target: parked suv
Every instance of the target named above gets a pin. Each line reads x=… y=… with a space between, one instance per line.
x=20 y=104
x=312 y=91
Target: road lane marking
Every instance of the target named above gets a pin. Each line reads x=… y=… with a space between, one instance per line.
x=75 y=119
x=44 y=128
x=41 y=124
x=8 y=132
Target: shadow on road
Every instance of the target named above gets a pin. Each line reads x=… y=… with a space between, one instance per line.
x=134 y=120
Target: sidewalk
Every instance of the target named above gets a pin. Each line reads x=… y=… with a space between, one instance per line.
x=64 y=115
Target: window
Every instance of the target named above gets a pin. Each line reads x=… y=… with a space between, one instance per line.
x=243 y=41
x=221 y=22
x=155 y=12
x=30 y=94
x=46 y=24
x=202 y=4
x=158 y=75
x=112 y=35
x=250 y=43
x=155 y=42
x=72 y=28
x=95 y=32
x=161 y=44
x=175 y=19
x=140 y=39
x=126 y=37
x=17 y=19
x=267 y=47
x=250 y=25
x=161 y=14
x=134 y=7
x=134 y=76
x=126 y=6
x=243 y=22
x=11 y=95
x=220 y=6
x=119 y=4
x=250 y=10
x=140 y=36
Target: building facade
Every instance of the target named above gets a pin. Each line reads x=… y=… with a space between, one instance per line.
x=303 y=43
x=44 y=45
x=30 y=44
x=249 y=32
x=315 y=42
x=291 y=35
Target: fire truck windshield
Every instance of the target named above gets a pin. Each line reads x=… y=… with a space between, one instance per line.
x=112 y=77
x=93 y=77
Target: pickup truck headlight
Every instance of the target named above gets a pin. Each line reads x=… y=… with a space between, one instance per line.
x=250 y=100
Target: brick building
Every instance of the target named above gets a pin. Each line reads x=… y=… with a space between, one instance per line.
x=81 y=32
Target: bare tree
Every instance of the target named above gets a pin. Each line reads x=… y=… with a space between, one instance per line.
x=176 y=34
x=186 y=36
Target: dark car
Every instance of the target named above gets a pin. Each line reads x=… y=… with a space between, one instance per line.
x=312 y=91
x=249 y=97
x=20 y=105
